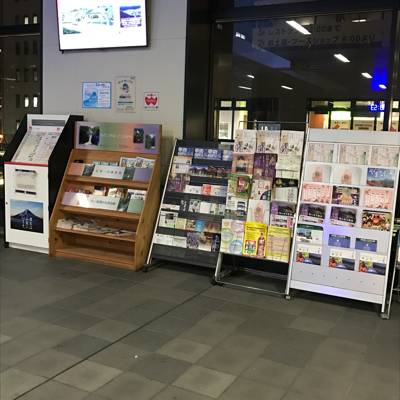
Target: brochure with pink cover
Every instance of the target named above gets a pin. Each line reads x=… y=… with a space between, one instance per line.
x=378 y=198
x=76 y=169
x=316 y=193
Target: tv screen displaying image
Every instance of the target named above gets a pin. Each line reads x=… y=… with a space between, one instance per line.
x=88 y=24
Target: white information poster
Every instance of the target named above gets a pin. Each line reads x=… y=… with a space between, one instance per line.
x=96 y=95
x=150 y=101
x=125 y=94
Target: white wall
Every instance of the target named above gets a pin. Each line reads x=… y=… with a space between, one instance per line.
x=159 y=68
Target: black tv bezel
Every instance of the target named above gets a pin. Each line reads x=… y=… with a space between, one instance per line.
x=105 y=48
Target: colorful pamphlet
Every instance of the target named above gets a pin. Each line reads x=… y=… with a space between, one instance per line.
x=345 y=195
x=194 y=205
x=385 y=156
x=179 y=241
x=378 y=198
x=181 y=223
x=258 y=211
x=192 y=240
x=354 y=154
x=116 y=192
x=254 y=244
x=339 y=241
x=242 y=163
x=176 y=186
x=219 y=191
x=206 y=190
x=342 y=259
x=180 y=168
x=216 y=243
x=200 y=153
x=232 y=235
x=236 y=205
x=268 y=141
x=168 y=219
x=309 y=233
x=343 y=216
x=264 y=164
x=346 y=174
x=192 y=189
x=372 y=263
x=182 y=160
x=282 y=214
x=377 y=220
x=366 y=244
x=205 y=242
x=245 y=141
x=316 y=193
x=227 y=155
x=214 y=154
x=381 y=177
x=185 y=178
x=185 y=151
x=239 y=185
x=309 y=254
x=199 y=226
x=292 y=142
x=190 y=224
x=100 y=190
x=320 y=152
x=198 y=170
x=278 y=244
x=314 y=213
x=317 y=173
x=127 y=162
x=261 y=188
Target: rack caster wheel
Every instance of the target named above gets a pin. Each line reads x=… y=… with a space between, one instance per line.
x=145 y=269
x=287 y=297
x=213 y=282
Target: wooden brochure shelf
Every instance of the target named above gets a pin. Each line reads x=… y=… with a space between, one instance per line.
x=121 y=251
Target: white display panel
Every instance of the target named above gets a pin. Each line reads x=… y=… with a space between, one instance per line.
x=340 y=264
x=85 y=24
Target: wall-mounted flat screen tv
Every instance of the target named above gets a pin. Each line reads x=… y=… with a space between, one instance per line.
x=88 y=24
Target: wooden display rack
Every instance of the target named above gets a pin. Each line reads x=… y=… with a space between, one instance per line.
x=127 y=251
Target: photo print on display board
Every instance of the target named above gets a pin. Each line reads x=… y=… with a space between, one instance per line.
x=138 y=136
x=89 y=135
x=26 y=215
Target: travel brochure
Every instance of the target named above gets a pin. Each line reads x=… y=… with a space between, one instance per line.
x=320 y=152
x=309 y=254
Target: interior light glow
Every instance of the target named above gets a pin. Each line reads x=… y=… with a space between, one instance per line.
x=251 y=76
x=298 y=27
x=286 y=87
x=359 y=20
x=342 y=58
x=382 y=86
x=366 y=75
x=244 y=87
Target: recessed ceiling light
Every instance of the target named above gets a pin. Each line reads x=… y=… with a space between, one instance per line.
x=342 y=58
x=366 y=75
x=297 y=26
x=359 y=20
x=251 y=76
x=382 y=86
x=286 y=87
x=244 y=87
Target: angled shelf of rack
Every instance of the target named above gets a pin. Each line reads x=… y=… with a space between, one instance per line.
x=121 y=251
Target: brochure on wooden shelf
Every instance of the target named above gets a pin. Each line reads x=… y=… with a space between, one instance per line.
x=76 y=169
x=309 y=254
x=309 y=233
x=385 y=156
x=320 y=152
x=378 y=198
x=107 y=171
x=342 y=259
x=254 y=243
x=372 y=263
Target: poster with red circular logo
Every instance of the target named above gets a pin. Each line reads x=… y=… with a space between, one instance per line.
x=151 y=100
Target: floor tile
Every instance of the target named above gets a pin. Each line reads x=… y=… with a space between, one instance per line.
x=362 y=321
x=111 y=271
x=295 y=337
x=95 y=279
x=387 y=341
x=48 y=335
x=4 y=338
x=120 y=356
x=271 y=373
x=274 y=317
x=94 y=397
x=74 y=302
x=320 y=386
x=4 y=367
x=161 y=293
x=245 y=389
x=165 y=281
x=119 y=284
x=219 y=319
x=156 y=306
x=293 y=307
x=379 y=377
x=228 y=361
x=194 y=285
x=184 y=350
x=16 y=350
x=98 y=293
x=313 y=325
x=244 y=343
x=15 y=382
x=47 y=313
x=170 y=326
x=128 y=383
x=175 y=393
x=88 y=376
x=48 y=363
x=137 y=276
x=18 y=325
x=82 y=345
x=204 y=381
x=294 y=356
x=382 y=357
x=240 y=310
x=252 y=299
x=206 y=334
x=189 y=313
x=210 y=303
x=350 y=350
x=146 y=339
x=104 y=309
x=352 y=334
x=221 y=292
x=78 y=321
x=126 y=299
x=55 y=390
x=260 y=328
x=160 y=368
x=110 y=330
x=366 y=391
x=136 y=317
x=321 y=312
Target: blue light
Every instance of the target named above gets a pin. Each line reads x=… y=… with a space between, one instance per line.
x=376 y=107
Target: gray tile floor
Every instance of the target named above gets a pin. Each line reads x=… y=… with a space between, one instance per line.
x=72 y=330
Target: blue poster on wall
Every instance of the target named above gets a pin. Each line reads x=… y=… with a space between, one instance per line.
x=96 y=95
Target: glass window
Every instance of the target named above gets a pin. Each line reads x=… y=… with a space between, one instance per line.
x=17 y=75
x=17 y=48
x=34 y=47
x=341 y=104
x=26 y=48
x=241 y=104
x=26 y=20
x=226 y=104
x=26 y=75
x=26 y=101
x=35 y=19
x=35 y=101
x=35 y=75
x=17 y=122
x=17 y=20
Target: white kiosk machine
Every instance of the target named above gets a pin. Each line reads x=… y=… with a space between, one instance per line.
x=34 y=165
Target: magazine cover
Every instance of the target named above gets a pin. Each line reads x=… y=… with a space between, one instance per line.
x=245 y=141
x=378 y=198
x=381 y=177
x=206 y=190
x=258 y=211
x=227 y=155
x=278 y=243
x=242 y=163
x=179 y=241
x=254 y=243
x=377 y=220
x=185 y=151
x=205 y=242
x=317 y=173
x=168 y=219
x=309 y=254
x=309 y=233
x=314 y=213
x=268 y=141
x=366 y=244
x=176 y=186
x=261 y=188
x=239 y=185
x=372 y=264
x=316 y=193
x=214 y=154
x=232 y=235
x=181 y=223
x=199 y=226
x=194 y=205
x=220 y=191
x=200 y=153
x=339 y=241
x=343 y=216
x=320 y=152
x=216 y=243
x=237 y=205
x=354 y=154
x=292 y=142
x=346 y=174
x=197 y=170
x=342 y=259
x=282 y=214
x=345 y=195
x=264 y=164
x=385 y=156
x=190 y=224
x=182 y=160
x=191 y=189
x=192 y=240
